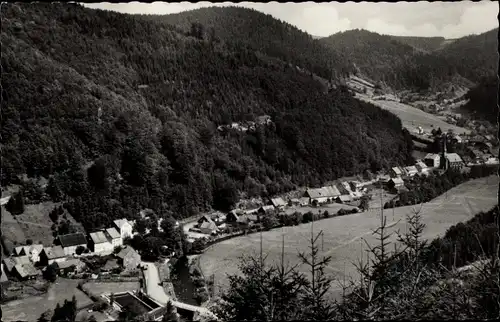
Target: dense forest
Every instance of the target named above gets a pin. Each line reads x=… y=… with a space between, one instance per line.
x=262 y=33
x=400 y=62
x=483 y=100
x=124 y=116
x=422 y=43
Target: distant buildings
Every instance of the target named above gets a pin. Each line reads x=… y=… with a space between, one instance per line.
x=396 y=172
x=124 y=227
x=323 y=195
x=411 y=171
x=100 y=243
x=207 y=225
x=453 y=161
x=278 y=203
x=25 y=271
x=71 y=242
x=396 y=183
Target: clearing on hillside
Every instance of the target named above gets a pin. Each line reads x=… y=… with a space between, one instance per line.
x=342 y=238
x=412 y=117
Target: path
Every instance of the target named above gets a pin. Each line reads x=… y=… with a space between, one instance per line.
x=156 y=291
x=27 y=223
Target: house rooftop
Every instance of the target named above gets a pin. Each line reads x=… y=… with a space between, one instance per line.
x=453 y=157
x=278 y=202
x=126 y=251
x=26 y=270
x=120 y=222
x=70 y=262
x=98 y=237
x=113 y=233
x=54 y=252
x=72 y=239
x=397 y=180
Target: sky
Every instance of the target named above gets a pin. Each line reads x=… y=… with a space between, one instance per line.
x=424 y=19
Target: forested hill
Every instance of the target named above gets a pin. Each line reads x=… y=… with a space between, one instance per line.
x=400 y=62
x=483 y=99
x=264 y=33
x=121 y=114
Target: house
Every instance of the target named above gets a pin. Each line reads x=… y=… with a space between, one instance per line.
x=124 y=227
x=205 y=218
x=71 y=265
x=110 y=265
x=99 y=243
x=422 y=167
x=304 y=201
x=355 y=185
x=129 y=258
x=26 y=271
x=114 y=237
x=247 y=220
x=453 y=161
x=432 y=160
x=294 y=201
x=50 y=255
x=265 y=209
x=233 y=216
x=411 y=170
x=396 y=172
x=343 y=199
x=208 y=227
x=278 y=203
x=323 y=195
x=219 y=218
x=11 y=262
x=33 y=251
x=396 y=183
x=263 y=119
x=70 y=242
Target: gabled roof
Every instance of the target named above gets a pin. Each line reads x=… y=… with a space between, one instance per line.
x=411 y=168
x=397 y=180
x=126 y=252
x=72 y=239
x=110 y=264
x=113 y=233
x=453 y=157
x=28 y=249
x=25 y=270
x=9 y=263
x=432 y=156
x=344 y=198
x=3 y=277
x=265 y=208
x=121 y=222
x=304 y=200
x=54 y=252
x=324 y=192
x=278 y=202
x=208 y=225
x=206 y=219
x=98 y=237
x=68 y=263
x=397 y=170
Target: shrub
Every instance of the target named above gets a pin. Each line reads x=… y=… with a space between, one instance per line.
x=199 y=282
x=326 y=214
x=29 y=242
x=79 y=250
x=202 y=297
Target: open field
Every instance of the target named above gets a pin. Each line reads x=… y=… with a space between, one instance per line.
x=30 y=309
x=412 y=117
x=332 y=208
x=343 y=236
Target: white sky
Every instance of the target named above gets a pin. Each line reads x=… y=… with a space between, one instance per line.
x=427 y=19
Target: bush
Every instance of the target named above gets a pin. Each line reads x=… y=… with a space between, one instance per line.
x=196 y=272
x=326 y=214
x=29 y=242
x=199 y=282
x=202 y=297
x=80 y=249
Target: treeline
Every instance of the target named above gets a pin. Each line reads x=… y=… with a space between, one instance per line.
x=262 y=33
x=483 y=99
x=74 y=112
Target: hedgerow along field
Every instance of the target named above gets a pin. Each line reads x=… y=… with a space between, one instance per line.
x=343 y=236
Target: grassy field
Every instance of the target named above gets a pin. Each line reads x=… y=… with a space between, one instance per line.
x=412 y=117
x=30 y=309
x=33 y=224
x=115 y=287
x=343 y=236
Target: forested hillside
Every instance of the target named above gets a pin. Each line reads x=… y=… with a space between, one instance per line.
x=263 y=33
x=398 y=63
x=121 y=114
x=483 y=99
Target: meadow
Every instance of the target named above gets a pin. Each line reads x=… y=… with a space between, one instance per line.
x=412 y=117
x=343 y=236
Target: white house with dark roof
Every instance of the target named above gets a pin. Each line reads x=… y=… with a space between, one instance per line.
x=124 y=227
x=26 y=271
x=411 y=170
x=432 y=160
x=278 y=203
x=453 y=161
x=396 y=172
x=114 y=237
x=99 y=243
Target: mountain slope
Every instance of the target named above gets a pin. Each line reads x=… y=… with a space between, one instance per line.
x=397 y=62
x=263 y=33
x=124 y=117
x=427 y=44
x=483 y=99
